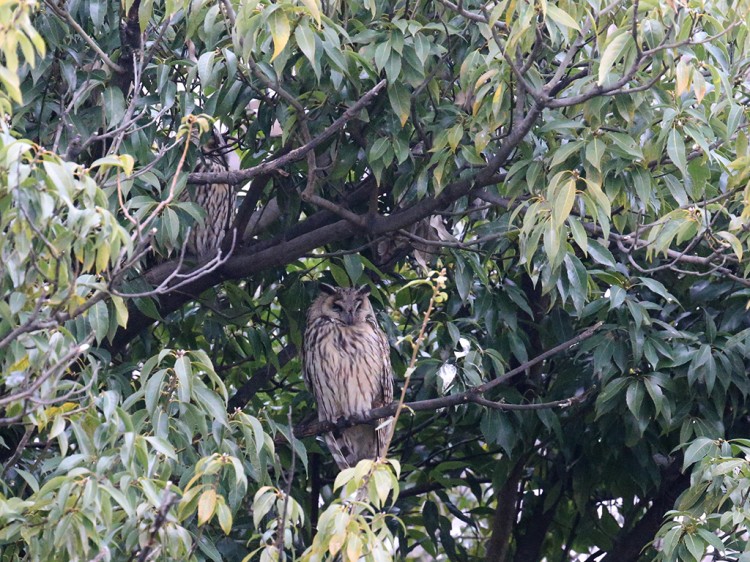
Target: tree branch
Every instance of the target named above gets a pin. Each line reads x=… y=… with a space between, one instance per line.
x=506 y=515
x=472 y=395
x=241 y=176
x=66 y=17
x=259 y=379
x=628 y=546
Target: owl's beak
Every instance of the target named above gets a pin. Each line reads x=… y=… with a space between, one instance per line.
x=349 y=318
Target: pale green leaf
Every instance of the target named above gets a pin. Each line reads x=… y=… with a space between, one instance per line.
x=614 y=50
x=561 y=17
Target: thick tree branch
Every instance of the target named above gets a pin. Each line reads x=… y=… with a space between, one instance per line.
x=628 y=546
x=506 y=515
x=473 y=395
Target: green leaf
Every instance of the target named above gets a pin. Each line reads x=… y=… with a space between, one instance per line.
x=634 y=398
x=400 y=100
x=615 y=49
x=121 y=311
x=145 y=11
x=564 y=152
x=655 y=391
x=184 y=371
x=162 y=446
x=224 y=514
x=700 y=448
x=205 y=68
x=354 y=267
x=658 y=288
x=114 y=106
x=11 y=84
x=99 y=319
x=378 y=149
x=382 y=54
x=455 y=134
x=152 y=390
x=600 y=254
x=594 y=152
x=579 y=234
x=676 y=151
x=696 y=547
x=305 y=38
x=617 y=296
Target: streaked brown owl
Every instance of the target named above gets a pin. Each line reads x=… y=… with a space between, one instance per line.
x=347 y=366
x=216 y=199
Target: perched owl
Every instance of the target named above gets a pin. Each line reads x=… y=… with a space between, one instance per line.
x=217 y=200
x=346 y=364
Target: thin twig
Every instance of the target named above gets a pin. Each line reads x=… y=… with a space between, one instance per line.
x=287 y=492
x=168 y=501
x=18 y=452
x=438 y=285
x=65 y=16
x=240 y=176
x=66 y=360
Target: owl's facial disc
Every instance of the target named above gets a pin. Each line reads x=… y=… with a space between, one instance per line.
x=342 y=312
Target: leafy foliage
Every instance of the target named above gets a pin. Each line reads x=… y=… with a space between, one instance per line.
x=567 y=166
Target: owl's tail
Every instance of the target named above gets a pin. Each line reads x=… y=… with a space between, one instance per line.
x=353 y=444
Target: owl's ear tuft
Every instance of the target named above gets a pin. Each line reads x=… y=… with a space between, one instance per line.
x=328 y=289
x=363 y=291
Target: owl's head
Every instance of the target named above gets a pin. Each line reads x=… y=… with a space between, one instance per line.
x=348 y=306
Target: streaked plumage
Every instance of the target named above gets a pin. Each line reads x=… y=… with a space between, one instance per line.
x=217 y=200
x=347 y=367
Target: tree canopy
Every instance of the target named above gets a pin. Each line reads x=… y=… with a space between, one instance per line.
x=548 y=199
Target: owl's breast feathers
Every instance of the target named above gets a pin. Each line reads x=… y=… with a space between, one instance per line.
x=349 y=361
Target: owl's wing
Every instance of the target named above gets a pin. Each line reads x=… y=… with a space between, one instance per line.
x=386 y=371
x=306 y=365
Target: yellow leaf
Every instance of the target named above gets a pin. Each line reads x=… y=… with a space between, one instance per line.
x=11 y=84
x=481 y=140
x=20 y=365
x=510 y=12
x=121 y=311
x=484 y=77
x=497 y=95
x=455 y=134
x=353 y=548
x=225 y=517
x=280 y=31
x=336 y=542
x=699 y=86
x=314 y=7
x=683 y=71
x=206 y=506
x=563 y=202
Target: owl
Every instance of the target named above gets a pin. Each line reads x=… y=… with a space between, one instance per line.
x=346 y=364
x=216 y=199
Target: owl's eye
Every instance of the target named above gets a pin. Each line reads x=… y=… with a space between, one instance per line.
x=337 y=307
